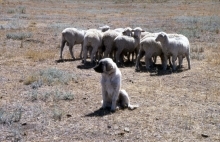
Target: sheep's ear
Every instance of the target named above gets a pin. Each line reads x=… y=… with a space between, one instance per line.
x=108 y=66
x=163 y=34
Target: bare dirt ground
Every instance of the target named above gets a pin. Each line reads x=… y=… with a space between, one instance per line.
x=42 y=100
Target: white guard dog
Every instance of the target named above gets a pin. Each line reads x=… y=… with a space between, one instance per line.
x=112 y=94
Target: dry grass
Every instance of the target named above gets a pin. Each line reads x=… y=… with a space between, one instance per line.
x=42 y=100
x=41 y=55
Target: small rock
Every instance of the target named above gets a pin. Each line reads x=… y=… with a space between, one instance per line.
x=69 y=115
x=23 y=124
x=204 y=135
x=121 y=133
x=116 y=127
x=126 y=130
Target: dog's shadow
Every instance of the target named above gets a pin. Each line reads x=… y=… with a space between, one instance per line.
x=99 y=113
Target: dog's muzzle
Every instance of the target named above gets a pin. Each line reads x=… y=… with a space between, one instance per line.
x=99 y=68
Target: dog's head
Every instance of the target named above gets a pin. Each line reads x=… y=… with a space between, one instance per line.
x=105 y=65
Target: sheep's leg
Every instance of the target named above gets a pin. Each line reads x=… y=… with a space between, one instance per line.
x=112 y=55
x=180 y=58
x=100 y=54
x=151 y=62
x=132 y=56
x=136 y=54
x=174 y=57
x=81 y=51
x=128 y=56
x=138 y=61
x=71 y=51
x=164 y=62
x=105 y=54
x=164 y=58
x=147 y=62
x=188 y=60
x=154 y=59
x=93 y=54
x=107 y=51
x=61 y=48
x=117 y=56
x=84 y=54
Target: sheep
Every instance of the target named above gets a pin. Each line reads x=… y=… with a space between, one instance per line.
x=175 y=46
x=151 y=49
x=126 y=44
x=108 y=38
x=72 y=36
x=93 y=39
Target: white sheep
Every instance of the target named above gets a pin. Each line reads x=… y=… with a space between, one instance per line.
x=124 y=44
x=151 y=49
x=92 y=39
x=108 y=39
x=175 y=46
x=70 y=37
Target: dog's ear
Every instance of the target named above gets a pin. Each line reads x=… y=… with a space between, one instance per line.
x=108 y=66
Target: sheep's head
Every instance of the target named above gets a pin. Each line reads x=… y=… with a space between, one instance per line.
x=137 y=32
x=127 y=31
x=104 y=28
x=161 y=37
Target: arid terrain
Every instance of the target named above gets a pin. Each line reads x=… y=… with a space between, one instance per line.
x=45 y=100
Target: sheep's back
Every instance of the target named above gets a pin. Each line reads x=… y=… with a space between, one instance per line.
x=149 y=45
x=124 y=42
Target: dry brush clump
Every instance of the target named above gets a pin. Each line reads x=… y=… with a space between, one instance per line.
x=197 y=52
x=50 y=76
x=40 y=55
x=18 y=35
x=54 y=96
x=213 y=53
x=8 y=117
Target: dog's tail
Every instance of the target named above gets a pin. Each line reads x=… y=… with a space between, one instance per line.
x=132 y=107
x=126 y=100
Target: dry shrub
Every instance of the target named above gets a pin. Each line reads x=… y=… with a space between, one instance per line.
x=40 y=55
x=2 y=51
x=50 y=76
x=214 y=58
x=213 y=54
x=30 y=79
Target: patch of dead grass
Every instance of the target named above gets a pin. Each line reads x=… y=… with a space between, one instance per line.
x=41 y=55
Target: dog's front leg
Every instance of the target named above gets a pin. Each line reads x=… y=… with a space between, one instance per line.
x=114 y=100
x=104 y=98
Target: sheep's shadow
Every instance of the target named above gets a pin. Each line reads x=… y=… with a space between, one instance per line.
x=157 y=70
x=168 y=71
x=126 y=64
x=66 y=60
x=99 y=113
x=86 y=65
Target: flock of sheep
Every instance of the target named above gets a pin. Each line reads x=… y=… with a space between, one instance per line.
x=122 y=42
